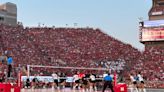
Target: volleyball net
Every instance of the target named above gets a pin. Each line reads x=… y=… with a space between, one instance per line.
x=44 y=73
x=38 y=68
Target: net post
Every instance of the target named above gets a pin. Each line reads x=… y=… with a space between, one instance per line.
x=115 y=79
x=19 y=79
x=28 y=71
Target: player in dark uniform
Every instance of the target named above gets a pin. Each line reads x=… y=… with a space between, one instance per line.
x=28 y=83
x=34 y=82
x=62 y=79
x=85 y=82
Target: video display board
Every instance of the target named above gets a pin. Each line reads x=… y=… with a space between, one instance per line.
x=154 y=23
x=152 y=34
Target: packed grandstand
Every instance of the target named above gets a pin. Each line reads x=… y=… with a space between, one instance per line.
x=76 y=47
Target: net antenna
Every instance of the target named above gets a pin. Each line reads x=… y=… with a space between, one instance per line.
x=60 y=67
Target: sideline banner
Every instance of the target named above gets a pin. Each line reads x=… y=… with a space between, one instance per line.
x=46 y=78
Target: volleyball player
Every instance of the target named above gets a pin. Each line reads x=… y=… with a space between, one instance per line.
x=81 y=75
x=55 y=82
x=34 y=81
x=85 y=82
x=133 y=82
x=141 y=83
x=92 y=82
x=62 y=78
x=76 y=80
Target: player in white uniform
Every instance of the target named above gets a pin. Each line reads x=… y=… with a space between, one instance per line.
x=141 y=83
x=76 y=80
x=92 y=82
x=134 y=83
x=55 y=82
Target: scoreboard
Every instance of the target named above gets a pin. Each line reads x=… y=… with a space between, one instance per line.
x=152 y=34
x=152 y=30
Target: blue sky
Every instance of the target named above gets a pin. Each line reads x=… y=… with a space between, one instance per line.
x=118 y=18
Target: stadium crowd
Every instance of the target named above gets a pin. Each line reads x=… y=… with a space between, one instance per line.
x=76 y=47
x=151 y=63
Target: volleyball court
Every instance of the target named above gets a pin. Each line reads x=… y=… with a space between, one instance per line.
x=63 y=79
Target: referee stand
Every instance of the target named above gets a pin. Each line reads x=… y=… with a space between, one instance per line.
x=7 y=87
x=119 y=87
